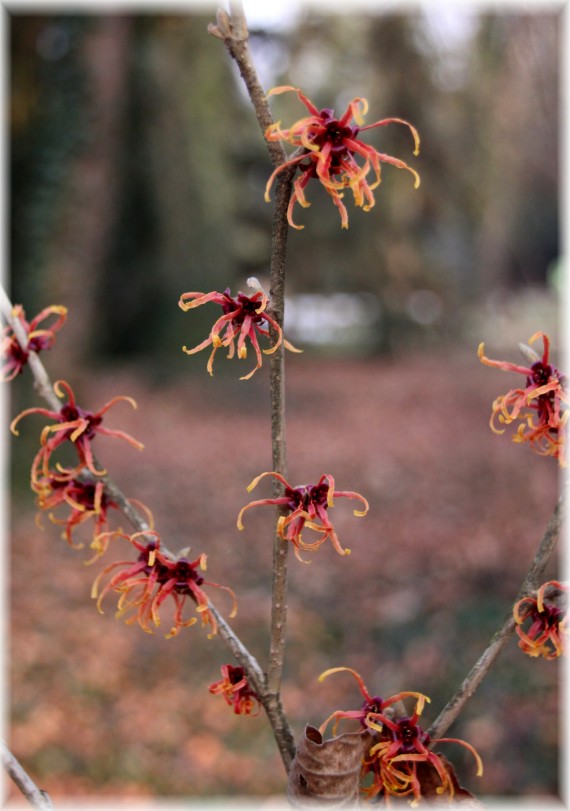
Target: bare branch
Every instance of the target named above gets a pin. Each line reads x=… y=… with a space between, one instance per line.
x=233 y=31
x=34 y=795
x=278 y=432
x=254 y=672
x=137 y=520
x=41 y=380
x=480 y=669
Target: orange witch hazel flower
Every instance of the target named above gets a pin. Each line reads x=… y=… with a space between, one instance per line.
x=400 y=762
x=308 y=505
x=539 y=405
x=546 y=634
x=330 y=146
x=86 y=500
x=397 y=763
x=39 y=338
x=371 y=704
x=235 y=689
x=244 y=317
x=156 y=575
x=78 y=426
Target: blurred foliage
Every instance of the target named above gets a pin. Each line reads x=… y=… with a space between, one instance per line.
x=98 y=708
x=47 y=129
x=138 y=167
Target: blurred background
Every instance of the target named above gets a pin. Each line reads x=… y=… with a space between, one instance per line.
x=137 y=173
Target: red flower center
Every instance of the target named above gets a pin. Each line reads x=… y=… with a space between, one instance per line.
x=183 y=571
x=241 y=306
x=407 y=734
x=550 y=616
x=374 y=705
x=73 y=413
x=39 y=342
x=335 y=133
x=235 y=674
x=541 y=374
x=18 y=354
x=307 y=494
x=84 y=493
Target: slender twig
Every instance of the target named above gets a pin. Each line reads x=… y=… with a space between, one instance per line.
x=278 y=430
x=233 y=31
x=34 y=795
x=278 y=436
x=254 y=672
x=41 y=380
x=480 y=669
x=44 y=387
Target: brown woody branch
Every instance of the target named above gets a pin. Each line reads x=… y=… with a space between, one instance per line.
x=44 y=387
x=233 y=31
x=34 y=795
x=480 y=669
x=41 y=380
x=273 y=706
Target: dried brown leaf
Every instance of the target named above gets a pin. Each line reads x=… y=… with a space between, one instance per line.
x=327 y=772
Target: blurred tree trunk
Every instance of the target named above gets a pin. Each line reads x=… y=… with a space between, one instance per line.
x=177 y=225
x=79 y=248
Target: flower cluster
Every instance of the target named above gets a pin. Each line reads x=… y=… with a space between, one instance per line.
x=539 y=406
x=546 y=634
x=73 y=424
x=244 y=317
x=14 y=356
x=235 y=690
x=143 y=585
x=307 y=506
x=400 y=762
x=329 y=148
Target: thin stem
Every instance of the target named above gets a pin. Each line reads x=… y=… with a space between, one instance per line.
x=117 y=496
x=254 y=672
x=279 y=455
x=271 y=704
x=233 y=31
x=41 y=380
x=480 y=669
x=34 y=795
x=44 y=387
